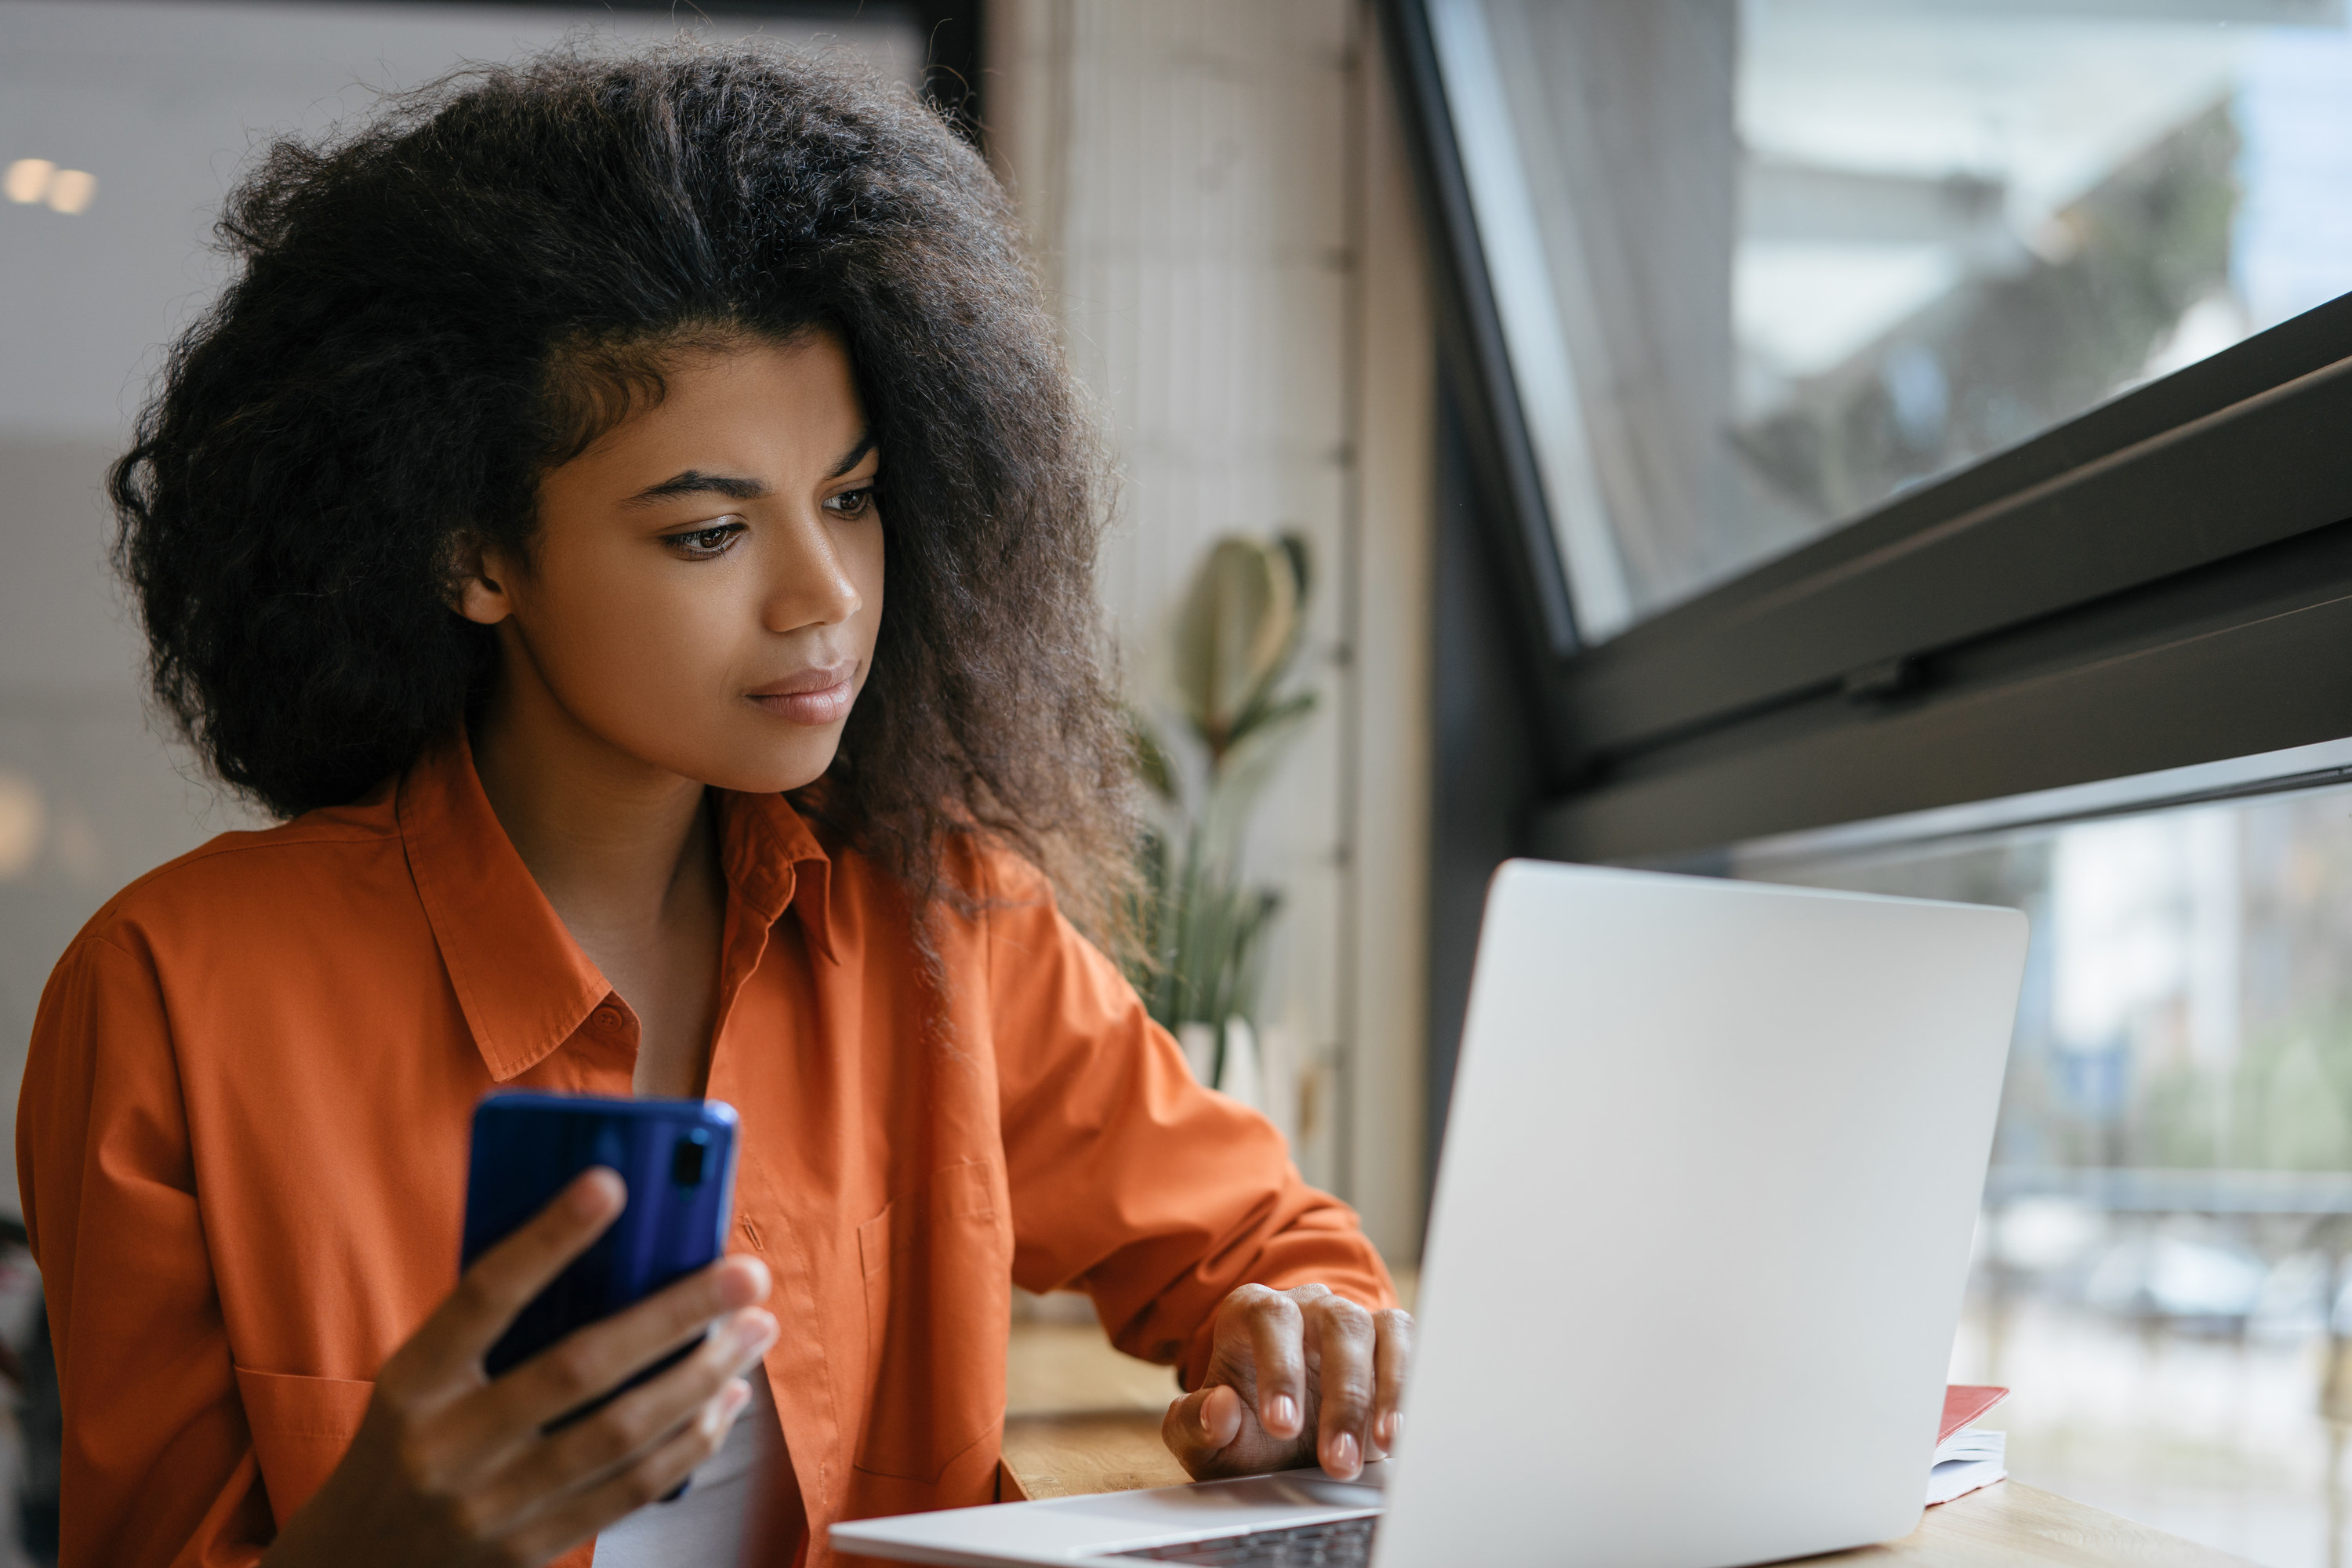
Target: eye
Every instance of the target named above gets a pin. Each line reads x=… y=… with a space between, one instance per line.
x=851 y=503
x=706 y=543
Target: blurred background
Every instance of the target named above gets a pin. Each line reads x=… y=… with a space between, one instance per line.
x=1758 y=268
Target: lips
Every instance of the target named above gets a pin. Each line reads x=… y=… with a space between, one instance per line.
x=817 y=696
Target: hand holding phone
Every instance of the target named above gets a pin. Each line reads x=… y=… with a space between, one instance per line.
x=453 y=1466
x=677 y=1159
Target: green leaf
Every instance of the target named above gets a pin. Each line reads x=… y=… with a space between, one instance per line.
x=1203 y=931
x=1237 y=627
x=1249 y=767
x=1152 y=761
x=1297 y=551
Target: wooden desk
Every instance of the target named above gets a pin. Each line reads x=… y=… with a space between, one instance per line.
x=1062 y=1455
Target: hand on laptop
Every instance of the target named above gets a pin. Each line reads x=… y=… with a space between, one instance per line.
x=1296 y=1377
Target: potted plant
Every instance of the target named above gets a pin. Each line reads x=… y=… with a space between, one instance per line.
x=1201 y=927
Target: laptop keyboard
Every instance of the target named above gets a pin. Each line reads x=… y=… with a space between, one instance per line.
x=1347 y=1543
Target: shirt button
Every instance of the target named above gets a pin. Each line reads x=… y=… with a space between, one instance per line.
x=608 y=1019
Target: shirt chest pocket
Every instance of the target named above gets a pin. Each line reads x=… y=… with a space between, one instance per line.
x=937 y=1264
x=301 y=1428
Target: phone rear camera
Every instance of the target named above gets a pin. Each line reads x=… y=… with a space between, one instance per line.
x=690 y=1160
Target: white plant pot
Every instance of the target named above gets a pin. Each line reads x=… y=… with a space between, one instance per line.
x=1241 y=1078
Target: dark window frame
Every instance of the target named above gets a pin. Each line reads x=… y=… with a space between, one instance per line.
x=2160 y=582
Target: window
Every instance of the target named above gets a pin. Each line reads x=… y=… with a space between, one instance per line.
x=2122 y=592
x=1899 y=446
x=2162 y=1270
x=1760 y=269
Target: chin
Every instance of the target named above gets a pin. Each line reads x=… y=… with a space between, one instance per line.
x=771 y=769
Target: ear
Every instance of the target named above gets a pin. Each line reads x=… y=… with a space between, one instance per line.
x=477 y=582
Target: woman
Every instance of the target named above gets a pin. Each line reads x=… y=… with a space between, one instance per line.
x=517 y=526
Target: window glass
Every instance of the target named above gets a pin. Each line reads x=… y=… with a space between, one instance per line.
x=1762 y=267
x=2164 y=1269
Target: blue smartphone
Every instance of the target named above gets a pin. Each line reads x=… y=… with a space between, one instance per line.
x=677 y=1157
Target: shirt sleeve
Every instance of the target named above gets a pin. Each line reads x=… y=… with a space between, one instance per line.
x=1127 y=1178
x=159 y=1466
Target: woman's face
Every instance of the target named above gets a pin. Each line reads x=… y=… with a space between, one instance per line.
x=707 y=582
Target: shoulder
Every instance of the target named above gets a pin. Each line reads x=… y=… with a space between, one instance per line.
x=1000 y=877
x=237 y=885
x=225 y=952
x=1027 y=939
x=992 y=919
x=980 y=878
x=1000 y=901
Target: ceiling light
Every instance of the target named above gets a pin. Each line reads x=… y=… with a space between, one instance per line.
x=20 y=824
x=27 y=179
x=71 y=189
x=30 y=180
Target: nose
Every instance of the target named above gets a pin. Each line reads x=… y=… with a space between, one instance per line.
x=812 y=584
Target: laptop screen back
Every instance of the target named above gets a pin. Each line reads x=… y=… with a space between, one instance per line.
x=1702 y=1223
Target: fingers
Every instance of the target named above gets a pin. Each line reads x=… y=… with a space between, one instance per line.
x=1294 y=1377
x=504 y=1279
x=594 y=1360
x=591 y=1452
x=1202 y=1425
x=654 y=1475
x=1271 y=1323
x=1343 y=1335
x=1392 y=1359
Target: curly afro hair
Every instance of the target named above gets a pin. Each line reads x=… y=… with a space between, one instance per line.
x=432 y=309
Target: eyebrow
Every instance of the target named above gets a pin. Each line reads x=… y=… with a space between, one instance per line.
x=855 y=455
x=695 y=482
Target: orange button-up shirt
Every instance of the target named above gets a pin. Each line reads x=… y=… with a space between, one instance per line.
x=243 y=1132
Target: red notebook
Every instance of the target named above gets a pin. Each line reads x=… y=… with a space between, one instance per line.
x=1963 y=1403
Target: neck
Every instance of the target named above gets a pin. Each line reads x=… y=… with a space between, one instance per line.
x=613 y=841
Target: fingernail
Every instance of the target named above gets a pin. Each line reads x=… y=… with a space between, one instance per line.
x=754 y=1333
x=1282 y=1414
x=741 y=1283
x=724 y=1408
x=592 y=1193
x=1343 y=1453
x=1391 y=1424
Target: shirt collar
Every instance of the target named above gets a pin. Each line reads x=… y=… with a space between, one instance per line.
x=774 y=862
x=523 y=984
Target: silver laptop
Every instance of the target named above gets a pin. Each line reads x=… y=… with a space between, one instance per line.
x=1701 y=1229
